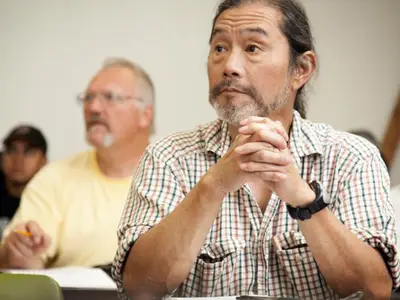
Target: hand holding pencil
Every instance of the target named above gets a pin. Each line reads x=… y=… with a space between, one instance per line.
x=24 y=246
x=23 y=232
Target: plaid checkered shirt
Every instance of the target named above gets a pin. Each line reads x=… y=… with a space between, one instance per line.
x=250 y=252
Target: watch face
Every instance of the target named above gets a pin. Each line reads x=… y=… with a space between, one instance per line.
x=325 y=196
x=318 y=188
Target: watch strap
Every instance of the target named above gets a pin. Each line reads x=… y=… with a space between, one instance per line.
x=305 y=213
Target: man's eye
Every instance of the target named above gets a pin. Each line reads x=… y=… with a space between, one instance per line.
x=219 y=48
x=109 y=96
x=29 y=151
x=11 y=150
x=252 y=48
x=88 y=97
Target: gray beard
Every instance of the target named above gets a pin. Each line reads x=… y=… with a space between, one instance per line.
x=235 y=114
x=108 y=140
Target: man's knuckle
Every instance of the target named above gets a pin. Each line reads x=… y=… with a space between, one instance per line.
x=264 y=154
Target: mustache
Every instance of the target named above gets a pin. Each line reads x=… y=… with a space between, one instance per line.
x=96 y=120
x=229 y=83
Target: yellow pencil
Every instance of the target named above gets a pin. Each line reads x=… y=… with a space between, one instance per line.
x=25 y=233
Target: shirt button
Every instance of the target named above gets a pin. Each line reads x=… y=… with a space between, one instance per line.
x=298 y=258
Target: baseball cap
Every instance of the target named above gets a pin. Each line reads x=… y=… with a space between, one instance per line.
x=32 y=136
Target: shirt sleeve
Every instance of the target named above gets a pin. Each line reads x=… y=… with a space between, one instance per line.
x=39 y=203
x=365 y=208
x=154 y=193
x=395 y=198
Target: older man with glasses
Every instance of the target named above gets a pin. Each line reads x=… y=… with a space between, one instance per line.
x=70 y=210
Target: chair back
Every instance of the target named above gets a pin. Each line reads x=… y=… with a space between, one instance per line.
x=29 y=287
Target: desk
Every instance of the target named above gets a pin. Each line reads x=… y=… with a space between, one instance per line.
x=89 y=294
x=76 y=294
x=81 y=294
x=395 y=295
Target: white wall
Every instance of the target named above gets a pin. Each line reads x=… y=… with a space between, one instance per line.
x=359 y=46
x=50 y=48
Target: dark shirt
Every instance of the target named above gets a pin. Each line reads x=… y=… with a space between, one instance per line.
x=8 y=203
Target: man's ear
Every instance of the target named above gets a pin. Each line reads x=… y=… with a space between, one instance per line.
x=146 y=116
x=305 y=68
x=44 y=161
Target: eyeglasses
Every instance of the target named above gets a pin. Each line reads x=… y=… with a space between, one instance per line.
x=108 y=97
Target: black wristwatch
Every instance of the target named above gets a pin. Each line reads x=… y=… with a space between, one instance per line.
x=321 y=201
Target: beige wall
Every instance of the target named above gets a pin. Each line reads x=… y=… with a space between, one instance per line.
x=50 y=48
x=359 y=47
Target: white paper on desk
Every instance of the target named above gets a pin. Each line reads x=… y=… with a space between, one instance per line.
x=204 y=298
x=74 y=277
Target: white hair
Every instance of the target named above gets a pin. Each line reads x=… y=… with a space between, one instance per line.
x=148 y=91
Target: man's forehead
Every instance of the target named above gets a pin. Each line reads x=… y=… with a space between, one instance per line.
x=256 y=14
x=115 y=78
x=18 y=144
x=106 y=86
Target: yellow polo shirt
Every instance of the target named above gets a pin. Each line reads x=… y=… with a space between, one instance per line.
x=78 y=207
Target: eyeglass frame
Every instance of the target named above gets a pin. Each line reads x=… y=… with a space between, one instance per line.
x=108 y=97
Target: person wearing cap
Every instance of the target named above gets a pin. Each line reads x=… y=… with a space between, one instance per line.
x=25 y=150
x=70 y=210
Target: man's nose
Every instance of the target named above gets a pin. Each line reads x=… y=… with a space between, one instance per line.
x=95 y=105
x=234 y=65
x=18 y=159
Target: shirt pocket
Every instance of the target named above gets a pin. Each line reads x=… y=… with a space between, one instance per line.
x=216 y=264
x=300 y=267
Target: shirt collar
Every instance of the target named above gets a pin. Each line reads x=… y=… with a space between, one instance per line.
x=217 y=138
x=303 y=139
